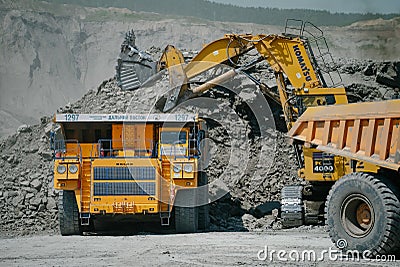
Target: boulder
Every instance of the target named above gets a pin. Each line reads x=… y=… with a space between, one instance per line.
x=369 y=70
x=51 y=204
x=265 y=208
x=29 y=196
x=389 y=74
x=35 y=201
x=24 y=183
x=36 y=184
x=24 y=128
x=16 y=200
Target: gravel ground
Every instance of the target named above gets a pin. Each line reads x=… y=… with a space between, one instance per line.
x=202 y=249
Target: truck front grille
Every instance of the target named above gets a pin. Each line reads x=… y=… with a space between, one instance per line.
x=124 y=173
x=124 y=188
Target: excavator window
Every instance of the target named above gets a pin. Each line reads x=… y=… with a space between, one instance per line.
x=311 y=101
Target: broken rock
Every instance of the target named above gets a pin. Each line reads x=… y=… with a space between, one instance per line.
x=23 y=128
x=36 y=184
x=51 y=204
x=35 y=201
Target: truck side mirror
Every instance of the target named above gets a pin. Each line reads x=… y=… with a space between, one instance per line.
x=201 y=135
x=52 y=140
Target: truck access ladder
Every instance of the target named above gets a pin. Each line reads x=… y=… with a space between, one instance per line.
x=165 y=192
x=85 y=191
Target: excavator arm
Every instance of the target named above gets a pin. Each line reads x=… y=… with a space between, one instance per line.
x=288 y=57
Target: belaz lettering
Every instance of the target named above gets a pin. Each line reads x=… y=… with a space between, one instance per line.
x=303 y=66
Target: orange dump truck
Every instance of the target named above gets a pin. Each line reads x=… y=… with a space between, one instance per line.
x=360 y=144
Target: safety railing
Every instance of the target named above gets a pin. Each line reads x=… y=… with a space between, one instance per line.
x=173 y=150
x=106 y=150
x=67 y=149
x=318 y=50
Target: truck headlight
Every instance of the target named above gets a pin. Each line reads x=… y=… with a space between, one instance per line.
x=188 y=167
x=73 y=168
x=177 y=168
x=61 y=169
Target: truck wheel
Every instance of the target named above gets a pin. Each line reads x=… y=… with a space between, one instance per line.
x=186 y=212
x=363 y=213
x=203 y=210
x=68 y=214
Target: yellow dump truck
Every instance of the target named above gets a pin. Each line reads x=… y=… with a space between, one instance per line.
x=137 y=166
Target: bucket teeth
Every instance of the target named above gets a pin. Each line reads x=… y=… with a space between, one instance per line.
x=127 y=77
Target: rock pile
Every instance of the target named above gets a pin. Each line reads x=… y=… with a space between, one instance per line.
x=250 y=159
x=28 y=201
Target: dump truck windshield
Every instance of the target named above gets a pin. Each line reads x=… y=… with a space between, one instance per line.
x=173 y=137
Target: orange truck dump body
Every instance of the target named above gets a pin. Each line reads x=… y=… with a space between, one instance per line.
x=367 y=132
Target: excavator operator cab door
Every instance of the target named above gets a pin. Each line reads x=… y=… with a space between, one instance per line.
x=320 y=97
x=304 y=102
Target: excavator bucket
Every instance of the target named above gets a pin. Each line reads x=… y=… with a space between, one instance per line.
x=134 y=66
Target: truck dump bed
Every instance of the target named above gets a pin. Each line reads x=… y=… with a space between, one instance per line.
x=367 y=132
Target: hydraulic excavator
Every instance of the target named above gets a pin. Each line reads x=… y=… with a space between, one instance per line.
x=348 y=153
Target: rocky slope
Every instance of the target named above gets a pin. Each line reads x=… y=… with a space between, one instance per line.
x=51 y=54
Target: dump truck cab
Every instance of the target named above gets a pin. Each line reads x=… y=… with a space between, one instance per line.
x=126 y=165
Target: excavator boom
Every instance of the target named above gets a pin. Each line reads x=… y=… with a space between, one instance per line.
x=288 y=56
x=284 y=54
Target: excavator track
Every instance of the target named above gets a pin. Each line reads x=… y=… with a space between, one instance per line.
x=292 y=209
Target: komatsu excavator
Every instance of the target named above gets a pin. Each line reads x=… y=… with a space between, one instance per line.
x=348 y=153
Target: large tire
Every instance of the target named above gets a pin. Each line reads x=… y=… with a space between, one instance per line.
x=186 y=212
x=204 y=218
x=203 y=209
x=363 y=213
x=68 y=214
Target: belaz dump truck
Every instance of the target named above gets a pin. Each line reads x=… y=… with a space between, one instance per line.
x=137 y=166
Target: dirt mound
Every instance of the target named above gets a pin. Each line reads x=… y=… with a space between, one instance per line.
x=375 y=24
